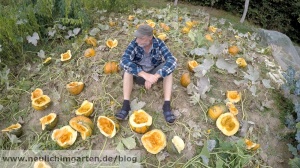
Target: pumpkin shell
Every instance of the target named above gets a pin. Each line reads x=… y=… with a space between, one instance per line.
x=47 y=61
x=232 y=108
x=75 y=87
x=111 y=67
x=251 y=145
x=216 y=110
x=228 y=124
x=178 y=144
x=15 y=129
x=49 y=121
x=41 y=103
x=233 y=96
x=92 y=41
x=83 y=125
x=185 y=79
x=140 y=121
x=64 y=57
x=112 y=43
x=41 y=164
x=85 y=109
x=154 y=141
x=36 y=93
x=185 y=30
x=65 y=136
x=209 y=38
x=108 y=126
x=191 y=65
x=241 y=62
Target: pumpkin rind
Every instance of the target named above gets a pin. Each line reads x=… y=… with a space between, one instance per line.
x=140 y=121
x=191 y=65
x=47 y=61
x=209 y=38
x=241 y=62
x=228 y=124
x=185 y=79
x=251 y=145
x=36 y=93
x=41 y=164
x=64 y=57
x=112 y=43
x=216 y=110
x=111 y=67
x=90 y=52
x=65 y=136
x=83 y=125
x=49 y=121
x=178 y=143
x=233 y=96
x=108 y=126
x=15 y=129
x=92 y=41
x=85 y=109
x=154 y=141
x=232 y=108
x=75 y=87
x=41 y=103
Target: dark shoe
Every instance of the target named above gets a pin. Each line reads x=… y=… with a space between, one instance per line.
x=169 y=117
x=122 y=115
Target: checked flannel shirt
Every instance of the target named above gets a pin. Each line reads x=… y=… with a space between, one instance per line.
x=159 y=54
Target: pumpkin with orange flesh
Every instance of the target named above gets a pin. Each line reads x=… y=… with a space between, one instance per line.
x=233 y=96
x=41 y=103
x=154 y=141
x=90 y=52
x=233 y=50
x=111 y=67
x=216 y=110
x=241 y=62
x=49 y=121
x=83 y=125
x=36 y=93
x=75 y=87
x=14 y=129
x=251 y=145
x=65 y=136
x=232 y=108
x=85 y=109
x=140 y=121
x=108 y=126
x=92 y=41
x=191 y=65
x=112 y=43
x=228 y=124
x=65 y=57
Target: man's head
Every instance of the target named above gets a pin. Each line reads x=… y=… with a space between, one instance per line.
x=144 y=35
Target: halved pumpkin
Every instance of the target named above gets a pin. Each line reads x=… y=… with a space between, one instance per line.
x=140 y=121
x=36 y=93
x=232 y=108
x=49 y=121
x=14 y=129
x=83 y=125
x=185 y=79
x=41 y=103
x=112 y=43
x=191 y=65
x=251 y=145
x=111 y=67
x=108 y=126
x=85 y=109
x=65 y=136
x=216 y=110
x=208 y=37
x=64 y=57
x=162 y=36
x=185 y=30
x=241 y=62
x=154 y=141
x=41 y=164
x=90 y=52
x=92 y=41
x=228 y=124
x=75 y=87
x=233 y=96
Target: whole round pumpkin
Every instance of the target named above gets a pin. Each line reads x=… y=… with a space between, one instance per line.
x=233 y=50
x=185 y=79
x=65 y=136
x=111 y=67
x=216 y=110
x=154 y=141
x=83 y=125
x=140 y=121
x=228 y=124
x=90 y=52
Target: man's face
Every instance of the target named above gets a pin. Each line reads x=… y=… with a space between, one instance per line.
x=144 y=41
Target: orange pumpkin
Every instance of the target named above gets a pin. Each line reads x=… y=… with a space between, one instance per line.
x=111 y=67
x=185 y=79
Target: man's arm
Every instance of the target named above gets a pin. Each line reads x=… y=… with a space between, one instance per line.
x=170 y=61
x=127 y=63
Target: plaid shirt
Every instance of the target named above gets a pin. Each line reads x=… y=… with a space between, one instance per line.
x=159 y=53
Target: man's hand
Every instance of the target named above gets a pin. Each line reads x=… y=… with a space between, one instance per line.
x=149 y=77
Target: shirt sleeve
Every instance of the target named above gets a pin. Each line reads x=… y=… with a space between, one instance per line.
x=170 y=61
x=127 y=63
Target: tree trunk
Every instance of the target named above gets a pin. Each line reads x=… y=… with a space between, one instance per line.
x=245 y=11
x=175 y=2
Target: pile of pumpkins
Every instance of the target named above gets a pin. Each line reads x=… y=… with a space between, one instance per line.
x=140 y=121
